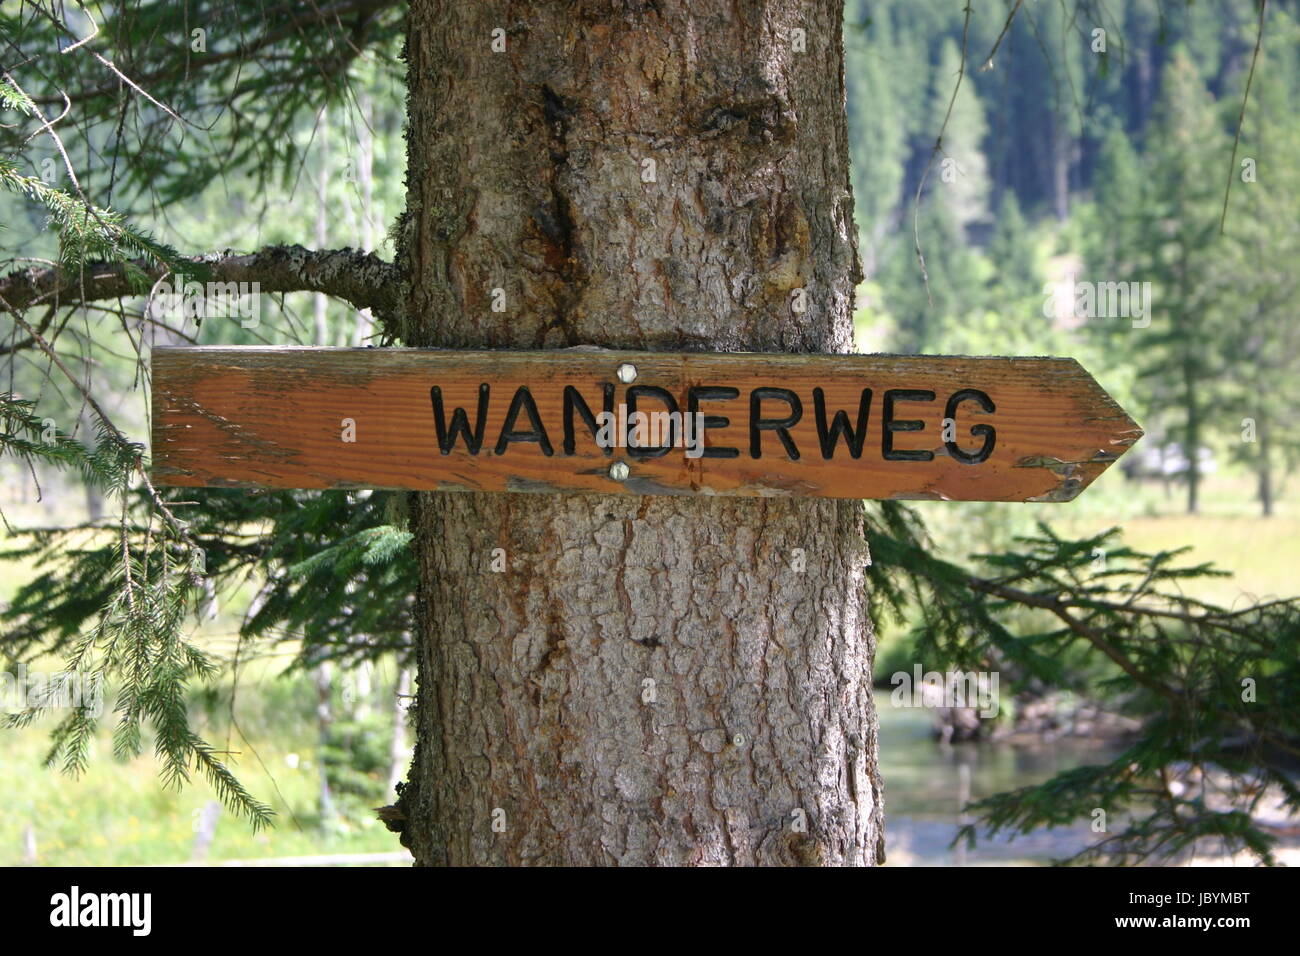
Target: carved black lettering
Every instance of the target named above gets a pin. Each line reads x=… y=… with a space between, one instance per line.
x=891 y=425
x=829 y=438
x=758 y=424
x=573 y=401
x=459 y=422
x=990 y=436
x=674 y=421
x=712 y=393
x=537 y=433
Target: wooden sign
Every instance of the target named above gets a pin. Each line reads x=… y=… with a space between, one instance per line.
x=838 y=426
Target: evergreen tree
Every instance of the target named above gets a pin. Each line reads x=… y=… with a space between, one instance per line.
x=959 y=178
x=1262 y=347
x=1017 y=279
x=925 y=307
x=1158 y=224
x=879 y=142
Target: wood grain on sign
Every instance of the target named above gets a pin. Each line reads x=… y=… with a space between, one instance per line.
x=839 y=426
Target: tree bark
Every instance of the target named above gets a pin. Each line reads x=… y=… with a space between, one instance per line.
x=650 y=680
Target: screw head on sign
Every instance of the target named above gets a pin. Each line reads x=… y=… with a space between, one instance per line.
x=627 y=373
x=619 y=471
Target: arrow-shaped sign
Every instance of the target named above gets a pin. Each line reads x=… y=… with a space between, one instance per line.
x=838 y=426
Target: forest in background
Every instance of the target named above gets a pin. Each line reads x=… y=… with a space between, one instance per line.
x=1093 y=142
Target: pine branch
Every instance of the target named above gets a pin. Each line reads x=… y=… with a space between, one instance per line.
x=1060 y=608
x=1216 y=687
x=259 y=71
x=292 y=22
x=360 y=278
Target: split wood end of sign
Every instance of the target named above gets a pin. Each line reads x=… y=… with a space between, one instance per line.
x=596 y=420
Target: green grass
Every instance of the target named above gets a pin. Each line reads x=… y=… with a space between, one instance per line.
x=1262 y=553
x=120 y=813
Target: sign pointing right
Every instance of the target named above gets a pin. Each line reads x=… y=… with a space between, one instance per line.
x=587 y=419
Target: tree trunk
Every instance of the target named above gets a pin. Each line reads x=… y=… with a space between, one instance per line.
x=324 y=676
x=1192 y=448
x=1264 y=469
x=397 y=750
x=1061 y=145
x=651 y=680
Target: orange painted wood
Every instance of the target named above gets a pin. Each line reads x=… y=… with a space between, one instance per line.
x=277 y=417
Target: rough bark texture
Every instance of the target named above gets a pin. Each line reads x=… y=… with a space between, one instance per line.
x=651 y=680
